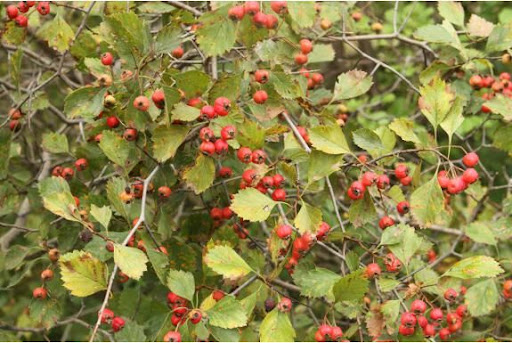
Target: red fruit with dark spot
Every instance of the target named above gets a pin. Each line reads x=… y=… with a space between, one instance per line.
x=462 y=311
x=40 y=293
x=172 y=336
x=429 y=330
x=444 y=334
x=408 y=319
x=178 y=52
x=141 y=103
x=228 y=132
x=418 y=306
x=373 y=270
x=401 y=171
x=368 y=179
x=249 y=176
x=12 y=11
x=301 y=59
x=221 y=147
x=117 y=324
x=206 y=134
x=158 y=98
x=260 y=97
x=112 y=122
x=225 y=172
x=21 y=21
x=382 y=182
x=305 y=46
x=107 y=59
x=261 y=76
x=106 y=316
x=43 y=7
x=236 y=12
x=284 y=231
x=23 y=7
x=450 y=295
x=164 y=191
x=68 y=173
x=130 y=134
x=217 y=295
x=57 y=171
x=258 y=156
x=336 y=334
x=208 y=112
x=195 y=316
x=279 y=7
x=251 y=7
x=324 y=331
x=207 y=148
x=222 y=106
x=278 y=180
x=405 y=330
x=392 y=263
x=403 y=207
x=267 y=181
x=285 y=305
x=322 y=231
x=227 y=213
x=272 y=22
x=317 y=78
x=244 y=155
x=279 y=195
x=470 y=176
x=436 y=314
x=356 y=190
x=81 y=164
x=476 y=81
x=385 y=222
x=260 y=19
x=470 y=160
x=216 y=213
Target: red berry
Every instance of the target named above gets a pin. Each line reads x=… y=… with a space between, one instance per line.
x=195 y=102
x=23 y=7
x=462 y=311
x=444 y=334
x=336 y=334
x=227 y=213
x=429 y=330
x=422 y=321
x=117 y=324
x=475 y=81
x=356 y=190
x=322 y=231
x=217 y=295
x=141 y=103
x=260 y=97
x=130 y=134
x=208 y=112
x=260 y=19
x=279 y=7
x=408 y=319
x=285 y=305
x=206 y=134
x=401 y=171
x=261 y=76
x=470 y=160
x=225 y=172
x=107 y=59
x=279 y=195
x=77 y=201
x=368 y=179
x=236 y=12
x=12 y=11
x=249 y=176
x=251 y=7
x=172 y=336
x=406 y=181
x=505 y=76
x=405 y=330
x=392 y=263
x=244 y=154
x=195 y=316
x=164 y=191
x=284 y=231
x=81 y=164
x=112 y=122
x=258 y=156
x=450 y=295
x=469 y=176
x=107 y=315
x=301 y=59
x=382 y=182
x=40 y=293
x=373 y=270
x=228 y=132
x=216 y=213
x=207 y=148
x=306 y=46
x=67 y=173
x=385 y=222
x=221 y=147
x=324 y=331
x=158 y=98
x=176 y=320
x=178 y=52
x=418 y=307
x=317 y=78
x=436 y=314
x=403 y=207
x=21 y=21
x=43 y=7
x=303 y=133
x=267 y=182
x=272 y=22
x=443 y=180
x=222 y=106
x=278 y=179
x=456 y=185
x=57 y=171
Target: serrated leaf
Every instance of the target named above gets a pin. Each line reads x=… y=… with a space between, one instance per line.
x=329 y=139
x=160 y=263
x=192 y=82
x=390 y=310
x=182 y=283
x=402 y=241
x=276 y=327
x=475 y=267
x=322 y=165
x=367 y=140
x=500 y=38
x=119 y=150
x=302 y=13
x=482 y=298
x=387 y=285
x=95 y=67
x=228 y=313
x=316 y=283
x=167 y=39
x=251 y=135
x=58 y=33
x=200 y=176
x=101 y=214
x=308 y=219
x=286 y=85
x=56 y=143
x=403 y=127
x=166 y=140
x=480 y=233
x=132 y=332
x=479 y=27
x=84 y=102
x=251 y=204
x=183 y=112
x=452 y=11
x=216 y=24
x=435 y=34
x=427 y=203
x=227 y=85
x=57 y=198
x=115 y=187
x=362 y=211
x=351 y=287
x=454 y=118
x=436 y=101
x=130 y=261
x=225 y=261
x=352 y=84
x=502 y=105
x=82 y=273
x=321 y=52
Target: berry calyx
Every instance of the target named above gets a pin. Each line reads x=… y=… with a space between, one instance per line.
x=158 y=98
x=141 y=103
x=106 y=316
x=206 y=134
x=244 y=155
x=228 y=132
x=261 y=76
x=373 y=270
x=403 y=207
x=258 y=156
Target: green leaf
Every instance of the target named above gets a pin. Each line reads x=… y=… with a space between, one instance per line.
x=119 y=150
x=215 y=25
x=167 y=140
x=84 y=102
x=131 y=261
x=192 y=82
x=82 y=273
x=403 y=241
x=500 y=38
x=95 y=66
x=454 y=118
x=276 y=327
x=352 y=84
x=321 y=52
x=286 y=85
x=132 y=332
x=308 y=219
x=251 y=135
x=302 y=13
x=387 y=285
x=479 y=27
x=249 y=302
x=58 y=33
x=101 y=214
x=362 y=211
x=57 y=198
x=367 y=140
x=251 y=204
x=322 y=165
x=351 y=287
x=13 y=34
x=55 y=143
x=482 y=298
x=390 y=310
x=200 y=176
x=5 y=142
x=228 y=313
x=184 y=112
x=503 y=139
x=403 y=127
x=436 y=34
x=502 y=105
x=160 y=263
x=452 y=11
x=167 y=39
x=316 y=283
x=329 y=139
x=225 y=261
x=15 y=64
x=227 y=85
x=427 y=203
x=436 y=101
x=182 y=283
x=480 y=233
x=475 y=267
x=115 y=187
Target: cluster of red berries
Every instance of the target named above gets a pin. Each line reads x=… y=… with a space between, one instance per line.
x=260 y=19
x=41 y=292
x=358 y=188
x=328 y=333
x=14 y=116
x=67 y=173
x=491 y=86
x=108 y=317
x=219 y=214
x=391 y=262
x=415 y=317
x=211 y=145
x=459 y=183
x=13 y=11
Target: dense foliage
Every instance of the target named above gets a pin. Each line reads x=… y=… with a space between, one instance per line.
x=271 y=171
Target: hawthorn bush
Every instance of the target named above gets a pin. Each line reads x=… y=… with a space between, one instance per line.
x=259 y=171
